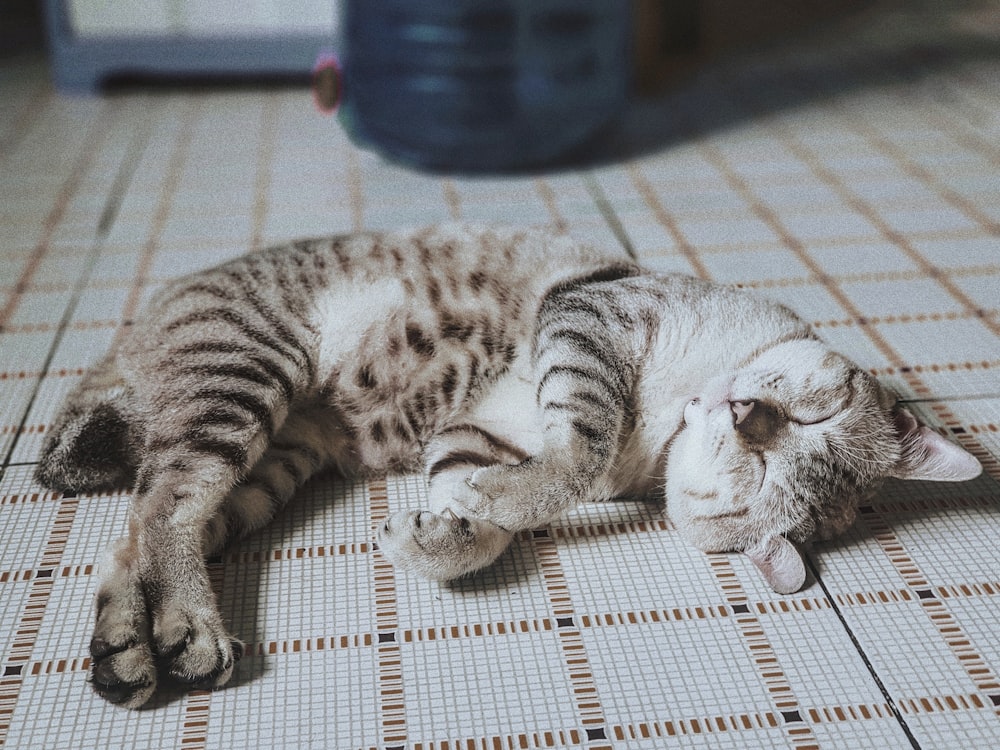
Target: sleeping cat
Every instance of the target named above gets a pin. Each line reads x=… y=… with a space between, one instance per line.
x=527 y=372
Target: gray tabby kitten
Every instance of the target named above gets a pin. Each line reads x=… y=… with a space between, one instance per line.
x=527 y=372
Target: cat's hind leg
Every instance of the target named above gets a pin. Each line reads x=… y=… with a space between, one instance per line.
x=446 y=542
x=156 y=611
x=305 y=445
x=128 y=639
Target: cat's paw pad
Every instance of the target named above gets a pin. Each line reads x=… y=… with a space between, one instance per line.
x=440 y=546
x=122 y=663
x=194 y=648
x=123 y=673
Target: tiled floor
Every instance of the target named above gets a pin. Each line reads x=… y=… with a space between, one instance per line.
x=856 y=180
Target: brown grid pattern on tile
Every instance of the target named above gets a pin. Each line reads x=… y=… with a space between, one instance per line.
x=26 y=633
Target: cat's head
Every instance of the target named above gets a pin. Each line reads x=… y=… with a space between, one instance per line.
x=782 y=450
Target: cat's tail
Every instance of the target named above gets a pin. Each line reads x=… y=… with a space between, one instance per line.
x=93 y=444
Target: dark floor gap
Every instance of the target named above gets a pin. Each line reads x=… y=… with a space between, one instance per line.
x=890 y=701
x=123 y=177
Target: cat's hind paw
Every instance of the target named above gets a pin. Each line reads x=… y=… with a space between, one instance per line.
x=124 y=674
x=138 y=640
x=125 y=664
x=195 y=649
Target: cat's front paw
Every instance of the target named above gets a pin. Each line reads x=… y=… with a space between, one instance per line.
x=440 y=546
x=515 y=498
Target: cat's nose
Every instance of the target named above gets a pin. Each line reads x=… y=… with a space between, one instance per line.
x=740 y=409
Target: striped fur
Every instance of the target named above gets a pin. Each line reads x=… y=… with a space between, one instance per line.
x=527 y=372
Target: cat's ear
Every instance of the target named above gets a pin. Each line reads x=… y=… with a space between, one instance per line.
x=927 y=455
x=780 y=562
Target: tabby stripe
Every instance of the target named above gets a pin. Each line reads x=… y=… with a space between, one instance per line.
x=595 y=377
x=204 y=287
x=580 y=341
x=292 y=297
x=449 y=382
x=343 y=260
x=285 y=334
x=413 y=418
x=608 y=273
x=244 y=327
x=597 y=438
x=591 y=401
x=583 y=307
x=400 y=428
x=418 y=340
x=292 y=287
x=292 y=469
x=257 y=408
x=451 y=328
x=234 y=454
x=216 y=416
x=590 y=347
x=318 y=262
x=274 y=497
x=609 y=302
x=498 y=444
x=237 y=371
x=459 y=458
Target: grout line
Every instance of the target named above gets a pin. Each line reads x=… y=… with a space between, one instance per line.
x=270 y=115
x=33 y=612
x=918 y=171
x=356 y=190
x=806 y=155
x=768 y=215
x=954 y=636
x=452 y=198
x=126 y=169
x=89 y=149
x=762 y=656
x=836 y=607
x=548 y=196
x=175 y=165
x=649 y=195
x=609 y=214
x=589 y=707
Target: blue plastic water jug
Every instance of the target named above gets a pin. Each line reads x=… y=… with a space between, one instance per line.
x=477 y=85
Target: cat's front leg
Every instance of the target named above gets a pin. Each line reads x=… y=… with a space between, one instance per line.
x=584 y=367
x=446 y=541
x=526 y=496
